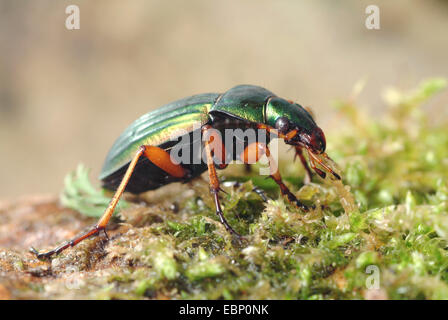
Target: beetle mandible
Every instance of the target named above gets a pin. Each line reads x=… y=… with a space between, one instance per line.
x=140 y=160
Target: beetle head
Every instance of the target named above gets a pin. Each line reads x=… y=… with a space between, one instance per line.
x=296 y=124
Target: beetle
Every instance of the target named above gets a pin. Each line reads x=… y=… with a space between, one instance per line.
x=141 y=160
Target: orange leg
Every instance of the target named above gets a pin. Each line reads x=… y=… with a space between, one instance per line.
x=212 y=143
x=157 y=156
x=253 y=153
x=308 y=173
x=212 y=138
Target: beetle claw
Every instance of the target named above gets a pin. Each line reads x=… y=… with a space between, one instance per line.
x=336 y=175
x=39 y=255
x=34 y=251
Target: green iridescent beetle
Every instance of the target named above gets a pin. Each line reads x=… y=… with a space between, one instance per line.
x=141 y=159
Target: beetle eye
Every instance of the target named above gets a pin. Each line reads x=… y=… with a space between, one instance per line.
x=282 y=124
x=318 y=140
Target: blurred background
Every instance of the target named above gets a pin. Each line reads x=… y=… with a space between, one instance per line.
x=66 y=95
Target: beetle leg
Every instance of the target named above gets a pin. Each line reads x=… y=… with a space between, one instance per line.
x=212 y=138
x=253 y=153
x=210 y=146
x=156 y=155
x=308 y=173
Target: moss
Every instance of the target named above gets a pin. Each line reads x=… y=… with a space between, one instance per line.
x=385 y=224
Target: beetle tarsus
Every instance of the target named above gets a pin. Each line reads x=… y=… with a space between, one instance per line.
x=302 y=206
x=40 y=255
x=45 y=255
x=71 y=243
x=293 y=199
x=105 y=233
x=220 y=214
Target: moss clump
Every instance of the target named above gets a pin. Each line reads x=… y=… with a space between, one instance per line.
x=391 y=244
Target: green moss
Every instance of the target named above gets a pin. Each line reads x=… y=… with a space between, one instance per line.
x=204 y=269
x=395 y=166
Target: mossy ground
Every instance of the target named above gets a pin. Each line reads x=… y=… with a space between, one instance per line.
x=168 y=243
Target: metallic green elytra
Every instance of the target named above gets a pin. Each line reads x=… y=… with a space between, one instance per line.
x=242 y=106
x=156 y=127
